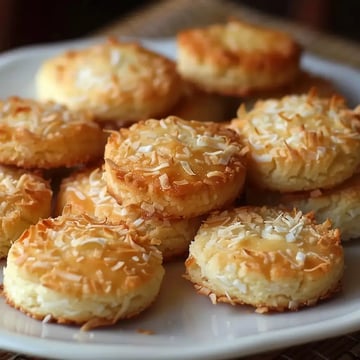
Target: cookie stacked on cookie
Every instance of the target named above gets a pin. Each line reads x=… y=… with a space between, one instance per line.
x=304 y=147
x=174 y=169
x=86 y=192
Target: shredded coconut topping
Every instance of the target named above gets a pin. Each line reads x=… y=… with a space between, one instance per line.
x=300 y=122
x=185 y=151
x=42 y=119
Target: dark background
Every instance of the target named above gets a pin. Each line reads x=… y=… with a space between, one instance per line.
x=33 y=21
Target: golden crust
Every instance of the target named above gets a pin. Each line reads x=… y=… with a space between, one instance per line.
x=24 y=199
x=237 y=58
x=102 y=275
x=269 y=258
x=86 y=192
x=339 y=204
x=300 y=142
x=47 y=135
x=114 y=80
x=175 y=168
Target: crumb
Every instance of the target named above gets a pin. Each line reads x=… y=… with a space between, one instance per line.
x=213 y=299
x=315 y=193
x=262 y=310
x=145 y=331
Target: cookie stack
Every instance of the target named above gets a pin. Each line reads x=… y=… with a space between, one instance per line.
x=86 y=192
x=175 y=169
x=304 y=152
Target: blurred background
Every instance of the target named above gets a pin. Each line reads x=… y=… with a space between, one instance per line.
x=26 y=22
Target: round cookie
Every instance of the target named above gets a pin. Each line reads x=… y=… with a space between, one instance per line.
x=86 y=192
x=268 y=258
x=300 y=142
x=74 y=269
x=24 y=199
x=340 y=204
x=237 y=58
x=175 y=168
x=47 y=135
x=114 y=80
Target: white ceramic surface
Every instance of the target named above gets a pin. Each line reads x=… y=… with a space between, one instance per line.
x=185 y=325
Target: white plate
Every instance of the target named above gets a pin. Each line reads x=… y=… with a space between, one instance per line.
x=185 y=325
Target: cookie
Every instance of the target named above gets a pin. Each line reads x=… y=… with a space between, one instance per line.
x=76 y=270
x=175 y=168
x=116 y=81
x=271 y=259
x=47 y=135
x=300 y=142
x=237 y=58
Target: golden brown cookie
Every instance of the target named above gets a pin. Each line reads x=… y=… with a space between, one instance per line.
x=47 y=135
x=300 y=142
x=86 y=192
x=175 y=168
x=267 y=258
x=24 y=199
x=74 y=269
x=237 y=58
x=114 y=80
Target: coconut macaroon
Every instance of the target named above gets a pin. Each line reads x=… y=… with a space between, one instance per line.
x=86 y=192
x=175 y=168
x=75 y=269
x=47 y=135
x=114 y=80
x=300 y=142
x=24 y=199
x=340 y=204
x=237 y=58
x=268 y=258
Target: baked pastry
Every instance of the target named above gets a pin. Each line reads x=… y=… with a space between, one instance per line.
x=340 y=204
x=25 y=198
x=86 y=192
x=114 y=80
x=237 y=58
x=175 y=168
x=271 y=259
x=47 y=135
x=74 y=269
x=300 y=142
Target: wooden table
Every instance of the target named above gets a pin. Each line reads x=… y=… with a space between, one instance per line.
x=164 y=19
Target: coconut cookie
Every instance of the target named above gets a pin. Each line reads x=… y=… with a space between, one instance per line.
x=175 y=168
x=74 y=269
x=340 y=204
x=267 y=258
x=237 y=58
x=86 y=192
x=300 y=142
x=47 y=135
x=24 y=199
x=114 y=80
